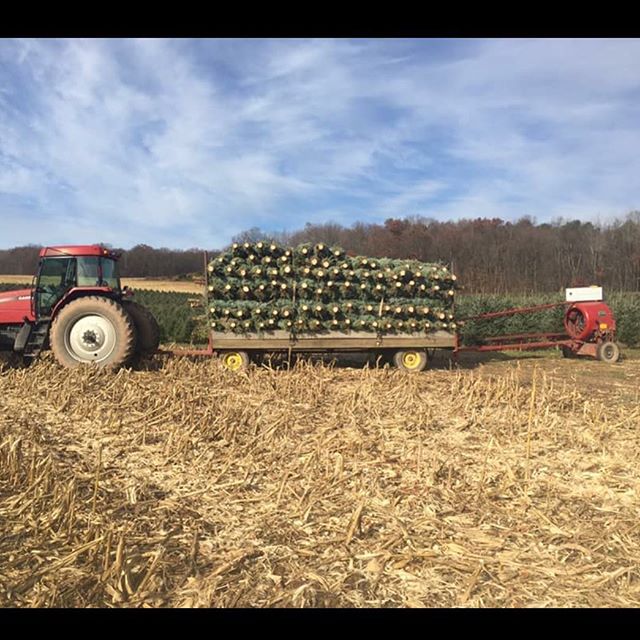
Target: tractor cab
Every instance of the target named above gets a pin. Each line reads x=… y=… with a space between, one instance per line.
x=64 y=270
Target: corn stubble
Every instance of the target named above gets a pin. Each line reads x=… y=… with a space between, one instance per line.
x=187 y=485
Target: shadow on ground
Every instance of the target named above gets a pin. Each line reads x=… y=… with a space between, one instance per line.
x=438 y=359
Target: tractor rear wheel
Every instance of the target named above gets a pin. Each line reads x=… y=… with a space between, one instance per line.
x=608 y=352
x=93 y=329
x=147 y=329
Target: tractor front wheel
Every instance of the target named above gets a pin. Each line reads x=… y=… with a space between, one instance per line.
x=93 y=329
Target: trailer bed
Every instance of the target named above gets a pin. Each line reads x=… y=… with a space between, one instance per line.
x=333 y=340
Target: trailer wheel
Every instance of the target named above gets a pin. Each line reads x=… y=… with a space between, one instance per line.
x=413 y=361
x=235 y=360
x=93 y=329
x=608 y=352
x=147 y=329
x=567 y=352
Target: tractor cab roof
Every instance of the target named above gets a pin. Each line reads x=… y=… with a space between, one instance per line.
x=78 y=250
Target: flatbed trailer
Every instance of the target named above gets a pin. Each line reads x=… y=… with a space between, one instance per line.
x=334 y=341
x=407 y=351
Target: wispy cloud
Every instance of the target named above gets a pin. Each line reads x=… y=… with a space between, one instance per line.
x=185 y=143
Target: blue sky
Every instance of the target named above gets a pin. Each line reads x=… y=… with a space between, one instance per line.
x=184 y=143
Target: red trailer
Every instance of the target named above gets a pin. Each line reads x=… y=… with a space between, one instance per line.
x=589 y=326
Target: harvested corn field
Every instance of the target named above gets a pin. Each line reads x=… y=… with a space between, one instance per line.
x=186 y=485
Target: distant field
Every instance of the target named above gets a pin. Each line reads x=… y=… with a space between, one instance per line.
x=15 y=279
x=134 y=283
x=161 y=285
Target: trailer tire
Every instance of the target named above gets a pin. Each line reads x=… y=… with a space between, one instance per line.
x=235 y=360
x=608 y=352
x=567 y=352
x=412 y=361
x=147 y=328
x=93 y=329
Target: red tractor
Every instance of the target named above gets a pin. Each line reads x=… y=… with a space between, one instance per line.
x=77 y=308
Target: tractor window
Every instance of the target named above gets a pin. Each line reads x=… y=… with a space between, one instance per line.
x=56 y=276
x=89 y=272
x=94 y=271
x=110 y=273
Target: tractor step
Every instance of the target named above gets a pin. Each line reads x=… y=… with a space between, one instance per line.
x=22 y=338
x=31 y=340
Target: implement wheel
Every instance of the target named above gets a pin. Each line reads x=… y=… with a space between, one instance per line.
x=235 y=360
x=412 y=361
x=608 y=352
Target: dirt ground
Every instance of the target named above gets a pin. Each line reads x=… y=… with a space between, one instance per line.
x=502 y=481
x=586 y=375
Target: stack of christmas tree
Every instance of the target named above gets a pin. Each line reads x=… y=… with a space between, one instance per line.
x=315 y=288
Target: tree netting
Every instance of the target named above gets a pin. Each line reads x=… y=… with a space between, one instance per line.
x=262 y=287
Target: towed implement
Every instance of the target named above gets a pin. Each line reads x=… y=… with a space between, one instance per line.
x=77 y=308
x=589 y=328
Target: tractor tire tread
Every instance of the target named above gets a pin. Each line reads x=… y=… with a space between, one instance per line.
x=147 y=328
x=123 y=324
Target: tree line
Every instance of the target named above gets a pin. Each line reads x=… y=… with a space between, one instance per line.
x=497 y=256
x=487 y=255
